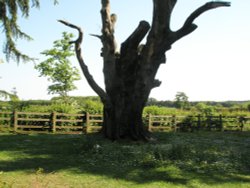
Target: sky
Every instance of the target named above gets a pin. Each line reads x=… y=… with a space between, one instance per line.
x=210 y=64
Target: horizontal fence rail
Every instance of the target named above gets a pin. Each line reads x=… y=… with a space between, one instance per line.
x=73 y=123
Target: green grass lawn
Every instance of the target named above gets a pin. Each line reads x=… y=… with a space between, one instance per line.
x=203 y=159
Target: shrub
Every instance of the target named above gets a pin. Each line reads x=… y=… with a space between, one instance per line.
x=156 y=110
x=92 y=107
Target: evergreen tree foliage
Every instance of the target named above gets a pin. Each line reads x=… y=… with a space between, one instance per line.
x=9 y=13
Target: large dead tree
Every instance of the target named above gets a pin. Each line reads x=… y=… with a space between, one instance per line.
x=129 y=73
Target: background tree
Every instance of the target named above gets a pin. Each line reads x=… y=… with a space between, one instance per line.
x=6 y=95
x=181 y=100
x=129 y=72
x=8 y=18
x=58 y=68
x=248 y=107
x=205 y=109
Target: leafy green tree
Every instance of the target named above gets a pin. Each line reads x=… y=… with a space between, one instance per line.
x=181 y=100
x=58 y=68
x=9 y=10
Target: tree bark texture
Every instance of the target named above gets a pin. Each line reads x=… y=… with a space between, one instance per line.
x=129 y=73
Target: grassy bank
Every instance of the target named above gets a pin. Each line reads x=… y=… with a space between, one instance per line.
x=205 y=159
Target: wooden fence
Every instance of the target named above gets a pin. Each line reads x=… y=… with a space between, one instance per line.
x=73 y=123
x=50 y=122
x=199 y=122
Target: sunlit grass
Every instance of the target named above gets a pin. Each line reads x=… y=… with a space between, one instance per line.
x=203 y=159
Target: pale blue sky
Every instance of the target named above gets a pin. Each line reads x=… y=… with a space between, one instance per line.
x=212 y=63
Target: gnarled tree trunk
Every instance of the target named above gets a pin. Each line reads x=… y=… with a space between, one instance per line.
x=129 y=73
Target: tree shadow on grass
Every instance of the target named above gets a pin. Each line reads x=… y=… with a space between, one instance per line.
x=130 y=161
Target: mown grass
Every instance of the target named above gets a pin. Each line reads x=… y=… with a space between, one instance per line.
x=203 y=159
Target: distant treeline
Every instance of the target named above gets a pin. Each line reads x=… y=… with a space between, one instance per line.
x=172 y=104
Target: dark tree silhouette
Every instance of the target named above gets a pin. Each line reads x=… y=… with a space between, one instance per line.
x=129 y=73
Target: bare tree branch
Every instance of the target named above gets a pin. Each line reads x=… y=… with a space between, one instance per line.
x=97 y=36
x=108 y=23
x=156 y=83
x=162 y=14
x=160 y=31
x=109 y=45
x=136 y=37
x=108 y=20
x=84 y=67
x=189 y=27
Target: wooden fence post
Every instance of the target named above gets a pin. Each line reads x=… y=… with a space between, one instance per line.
x=149 y=122
x=242 y=120
x=174 y=122
x=199 y=122
x=15 y=120
x=87 y=122
x=10 y=121
x=53 y=122
x=221 y=122
x=209 y=123
x=84 y=126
